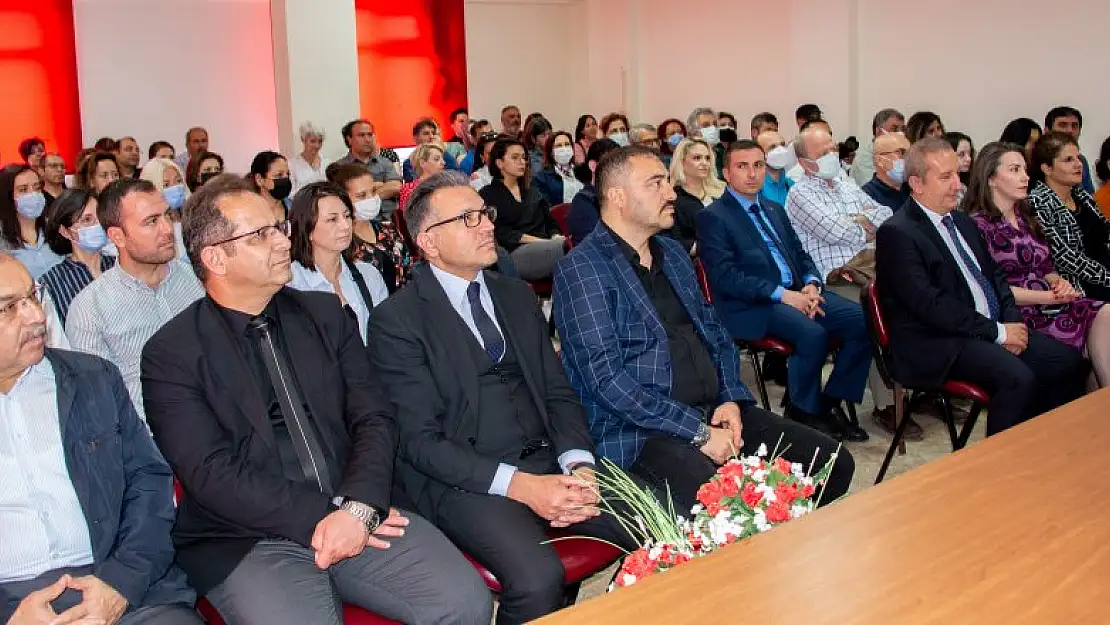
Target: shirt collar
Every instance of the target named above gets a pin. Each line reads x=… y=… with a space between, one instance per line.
x=933 y=217
x=238 y=320
x=745 y=203
x=454 y=286
x=313 y=278
x=132 y=281
x=40 y=370
x=632 y=255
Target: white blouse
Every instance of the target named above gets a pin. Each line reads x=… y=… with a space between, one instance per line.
x=303 y=173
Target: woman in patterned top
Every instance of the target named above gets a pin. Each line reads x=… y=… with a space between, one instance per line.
x=375 y=241
x=996 y=200
x=1075 y=228
x=73 y=230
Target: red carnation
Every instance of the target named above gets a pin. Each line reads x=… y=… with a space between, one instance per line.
x=786 y=493
x=731 y=469
x=778 y=512
x=782 y=465
x=710 y=493
x=750 y=495
x=730 y=486
x=808 y=490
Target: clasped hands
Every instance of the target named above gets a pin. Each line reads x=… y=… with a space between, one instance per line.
x=100 y=604
x=341 y=535
x=1062 y=291
x=725 y=433
x=563 y=500
x=808 y=301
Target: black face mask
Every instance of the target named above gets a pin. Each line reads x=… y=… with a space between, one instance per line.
x=727 y=137
x=282 y=187
x=205 y=176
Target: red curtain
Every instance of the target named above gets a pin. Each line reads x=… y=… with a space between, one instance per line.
x=38 y=69
x=411 y=64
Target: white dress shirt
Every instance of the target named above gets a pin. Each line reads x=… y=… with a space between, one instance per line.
x=824 y=218
x=455 y=288
x=303 y=173
x=977 y=294
x=305 y=279
x=42 y=525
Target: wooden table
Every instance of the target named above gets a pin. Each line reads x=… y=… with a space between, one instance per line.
x=1014 y=529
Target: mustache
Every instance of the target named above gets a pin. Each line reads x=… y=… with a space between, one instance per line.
x=36 y=332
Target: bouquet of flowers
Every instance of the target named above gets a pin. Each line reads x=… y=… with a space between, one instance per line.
x=747 y=496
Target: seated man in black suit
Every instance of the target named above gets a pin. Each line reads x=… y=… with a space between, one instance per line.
x=950 y=311
x=494 y=442
x=264 y=403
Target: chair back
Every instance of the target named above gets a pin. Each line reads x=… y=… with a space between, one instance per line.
x=403 y=230
x=877 y=328
x=559 y=213
x=703 y=281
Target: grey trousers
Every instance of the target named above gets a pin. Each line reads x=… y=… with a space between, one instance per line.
x=422 y=579
x=537 y=260
x=170 y=614
x=880 y=393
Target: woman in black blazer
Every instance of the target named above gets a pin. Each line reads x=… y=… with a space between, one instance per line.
x=524 y=225
x=694 y=174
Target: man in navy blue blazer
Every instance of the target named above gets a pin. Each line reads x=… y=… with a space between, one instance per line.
x=765 y=284
x=656 y=371
x=86 y=500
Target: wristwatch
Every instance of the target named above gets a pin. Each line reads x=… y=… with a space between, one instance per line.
x=702 y=437
x=367 y=514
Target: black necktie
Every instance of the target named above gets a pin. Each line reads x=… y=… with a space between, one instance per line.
x=972 y=268
x=491 y=337
x=309 y=453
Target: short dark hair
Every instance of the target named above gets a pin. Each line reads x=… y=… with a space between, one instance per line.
x=302 y=219
x=532 y=131
x=808 y=112
x=764 y=118
x=1046 y=150
x=349 y=129
x=106 y=144
x=918 y=123
x=28 y=145
x=882 y=117
x=616 y=164
x=421 y=124
x=1019 y=131
x=420 y=202
x=1102 y=165
x=459 y=111
x=741 y=145
x=158 y=145
x=343 y=173
x=65 y=209
x=192 y=170
x=202 y=221
x=109 y=208
x=721 y=114
x=475 y=124
x=594 y=154
x=1061 y=111
x=607 y=122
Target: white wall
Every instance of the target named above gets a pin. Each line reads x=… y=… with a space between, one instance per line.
x=153 y=68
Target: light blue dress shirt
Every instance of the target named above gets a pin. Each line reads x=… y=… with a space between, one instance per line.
x=305 y=279
x=764 y=228
x=776 y=190
x=37 y=258
x=455 y=288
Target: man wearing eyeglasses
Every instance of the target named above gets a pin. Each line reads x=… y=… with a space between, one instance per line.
x=115 y=315
x=494 y=444
x=85 y=498
x=263 y=401
x=888 y=186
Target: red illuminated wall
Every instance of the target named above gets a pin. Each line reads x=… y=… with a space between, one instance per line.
x=38 y=69
x=411 y=64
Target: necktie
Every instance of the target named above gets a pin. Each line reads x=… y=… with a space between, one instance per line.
x=764 y=226
x=972 y=268
x=491 y=337
x=309 y=453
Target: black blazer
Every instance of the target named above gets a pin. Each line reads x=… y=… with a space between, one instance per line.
x=209 y=420
x=928 y=307
x=686 y=209
x=418 y=345
x=531 y=215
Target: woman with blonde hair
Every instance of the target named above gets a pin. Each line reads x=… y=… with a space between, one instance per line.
x=694 y=176
x=427 y=159
x=167 y=177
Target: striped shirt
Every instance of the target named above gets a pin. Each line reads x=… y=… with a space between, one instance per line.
x=42 y=525
x=117 y=314
x=68 y=278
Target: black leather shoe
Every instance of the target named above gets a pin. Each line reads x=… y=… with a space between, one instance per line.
x=821 y=424
x=884 y=418
x=852 y=431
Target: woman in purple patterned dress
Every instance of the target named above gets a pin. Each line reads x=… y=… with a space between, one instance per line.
x=996 y=200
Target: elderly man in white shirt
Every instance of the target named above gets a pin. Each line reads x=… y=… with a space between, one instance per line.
x=835 y=220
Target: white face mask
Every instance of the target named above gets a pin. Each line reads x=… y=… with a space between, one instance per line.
x=368 y=209
x=563 y=154
x=828 y=166
x=620 y=138
x=711 y=135
x=782 y=157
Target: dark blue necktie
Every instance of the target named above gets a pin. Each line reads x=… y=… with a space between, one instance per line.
x=972 y=268
x=491 y=337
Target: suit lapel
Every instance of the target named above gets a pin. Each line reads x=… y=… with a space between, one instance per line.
x=66 y=390
x=631 y=281
x=449 y=330
x=302 y=342
x=744 y=221
x=229 y=367
x=951 y=263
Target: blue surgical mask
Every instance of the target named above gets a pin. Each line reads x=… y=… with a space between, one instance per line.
x=711 y=135
x=897 y=171
x=675 y=139
x=31 y=205
x=620 y=138
x=92 y=238
x=175 y=196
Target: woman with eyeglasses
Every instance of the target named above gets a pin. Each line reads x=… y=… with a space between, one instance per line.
x=524 y=226
x=73 y=230
x=22 y=222
x=321 y=220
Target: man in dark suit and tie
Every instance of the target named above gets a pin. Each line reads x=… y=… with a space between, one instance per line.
x=263 y=400
x=950 y=311
x=657 y=373
x=765 y=284
x=494 y=446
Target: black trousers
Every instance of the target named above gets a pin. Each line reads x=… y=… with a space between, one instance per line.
x=508 y=538
x=667 y=462
x=1047 y=375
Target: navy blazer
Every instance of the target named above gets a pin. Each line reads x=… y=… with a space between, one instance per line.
x=615 y=348
x=124 y=486
x=550 y=185
x=742 y=273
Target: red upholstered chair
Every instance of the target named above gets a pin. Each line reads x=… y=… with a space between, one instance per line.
x=559 y=213
x=581 y=558
x=880 y=340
